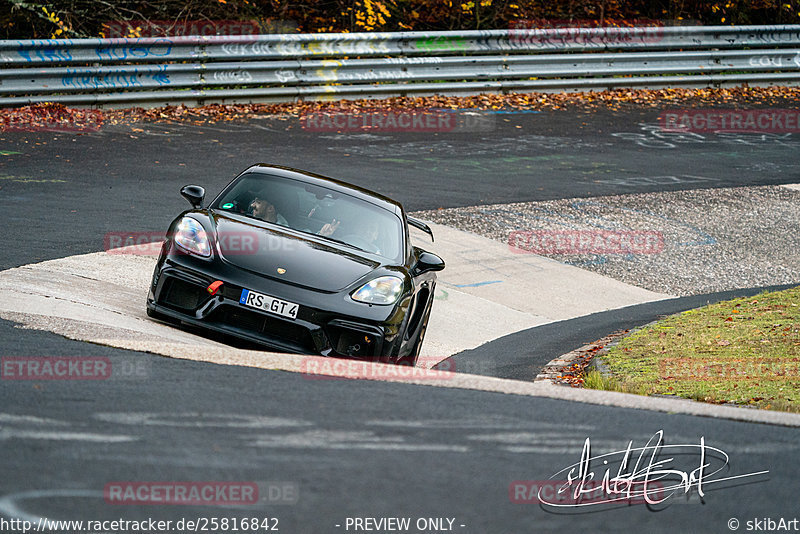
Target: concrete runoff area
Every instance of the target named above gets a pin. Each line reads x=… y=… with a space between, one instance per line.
x=100 y=298
x=545 y=289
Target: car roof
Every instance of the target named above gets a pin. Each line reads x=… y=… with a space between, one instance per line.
x=331 y=183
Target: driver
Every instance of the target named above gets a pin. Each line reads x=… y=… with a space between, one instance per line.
x=264 y=210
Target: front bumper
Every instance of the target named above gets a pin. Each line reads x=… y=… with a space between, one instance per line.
x=326 y=323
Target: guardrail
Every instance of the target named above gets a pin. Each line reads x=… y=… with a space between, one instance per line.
x=201 y=69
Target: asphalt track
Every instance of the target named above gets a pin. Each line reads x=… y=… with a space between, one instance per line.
x=118 y=179
x=351 y=448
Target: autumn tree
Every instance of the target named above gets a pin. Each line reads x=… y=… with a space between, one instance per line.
x=25 y=19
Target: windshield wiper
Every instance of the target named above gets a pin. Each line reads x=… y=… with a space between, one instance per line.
x=342 y=242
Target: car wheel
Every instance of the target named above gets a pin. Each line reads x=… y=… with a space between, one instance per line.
x=413 y=357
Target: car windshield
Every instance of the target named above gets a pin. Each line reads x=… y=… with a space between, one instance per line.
x=317 y=210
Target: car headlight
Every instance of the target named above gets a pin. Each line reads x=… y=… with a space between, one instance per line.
x=191 y=237
x=381 y=290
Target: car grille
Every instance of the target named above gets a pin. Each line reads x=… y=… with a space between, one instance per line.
x=273 y=328
x=182 y=295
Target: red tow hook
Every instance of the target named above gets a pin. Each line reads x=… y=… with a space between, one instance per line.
x=214 y=287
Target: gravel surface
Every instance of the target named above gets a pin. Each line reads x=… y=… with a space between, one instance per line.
x=713 y=239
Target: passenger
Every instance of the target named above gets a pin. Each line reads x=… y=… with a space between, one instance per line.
x=364 y=236
x=329 y=228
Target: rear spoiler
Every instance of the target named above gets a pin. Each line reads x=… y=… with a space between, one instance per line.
x=416 y=223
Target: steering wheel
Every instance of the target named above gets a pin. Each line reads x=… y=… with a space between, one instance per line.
x=360 y=242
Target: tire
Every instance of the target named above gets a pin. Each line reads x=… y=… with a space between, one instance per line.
x=411 y=359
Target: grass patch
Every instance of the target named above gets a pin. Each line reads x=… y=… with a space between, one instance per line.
x=596 y=380
x=743 y=351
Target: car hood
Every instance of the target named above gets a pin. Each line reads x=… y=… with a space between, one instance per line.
x=287 y=256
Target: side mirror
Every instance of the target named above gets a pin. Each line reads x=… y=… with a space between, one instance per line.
x=428 y=261
x=194 y=194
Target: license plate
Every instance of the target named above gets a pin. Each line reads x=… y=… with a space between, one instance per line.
x=269 y=304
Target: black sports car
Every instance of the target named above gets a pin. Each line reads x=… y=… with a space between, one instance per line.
x=298 y=262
